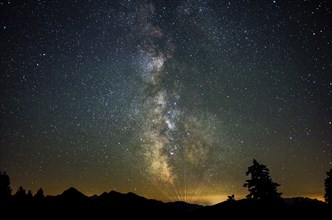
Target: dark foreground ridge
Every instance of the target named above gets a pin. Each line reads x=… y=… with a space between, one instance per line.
x=72 y=203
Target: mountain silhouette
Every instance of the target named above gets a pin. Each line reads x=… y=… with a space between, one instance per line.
x=290 y=207
x=132 y=203
x=181 y=206
x=74 y=204
x=73 y=194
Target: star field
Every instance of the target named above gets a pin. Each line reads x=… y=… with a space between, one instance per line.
x=170 y=100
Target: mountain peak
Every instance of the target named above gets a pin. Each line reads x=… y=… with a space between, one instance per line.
x=73 y=193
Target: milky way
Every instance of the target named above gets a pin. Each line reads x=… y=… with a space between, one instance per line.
x=169 y=99
x=175 y=143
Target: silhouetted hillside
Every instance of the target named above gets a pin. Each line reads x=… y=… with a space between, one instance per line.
x=303 y=202
x=73 y=203
x=72 y=194
x=184 y=207
x=284 y=208
x=130 y=202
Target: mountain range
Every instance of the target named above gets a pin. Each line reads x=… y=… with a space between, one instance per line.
x=73 y=203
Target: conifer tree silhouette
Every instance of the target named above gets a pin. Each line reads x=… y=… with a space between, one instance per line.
x=39 y=194
x=260 y=185
x=5 y=190
x=20 y=194
x=328 y=187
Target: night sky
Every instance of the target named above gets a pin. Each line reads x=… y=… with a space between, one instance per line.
x=171 y=100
